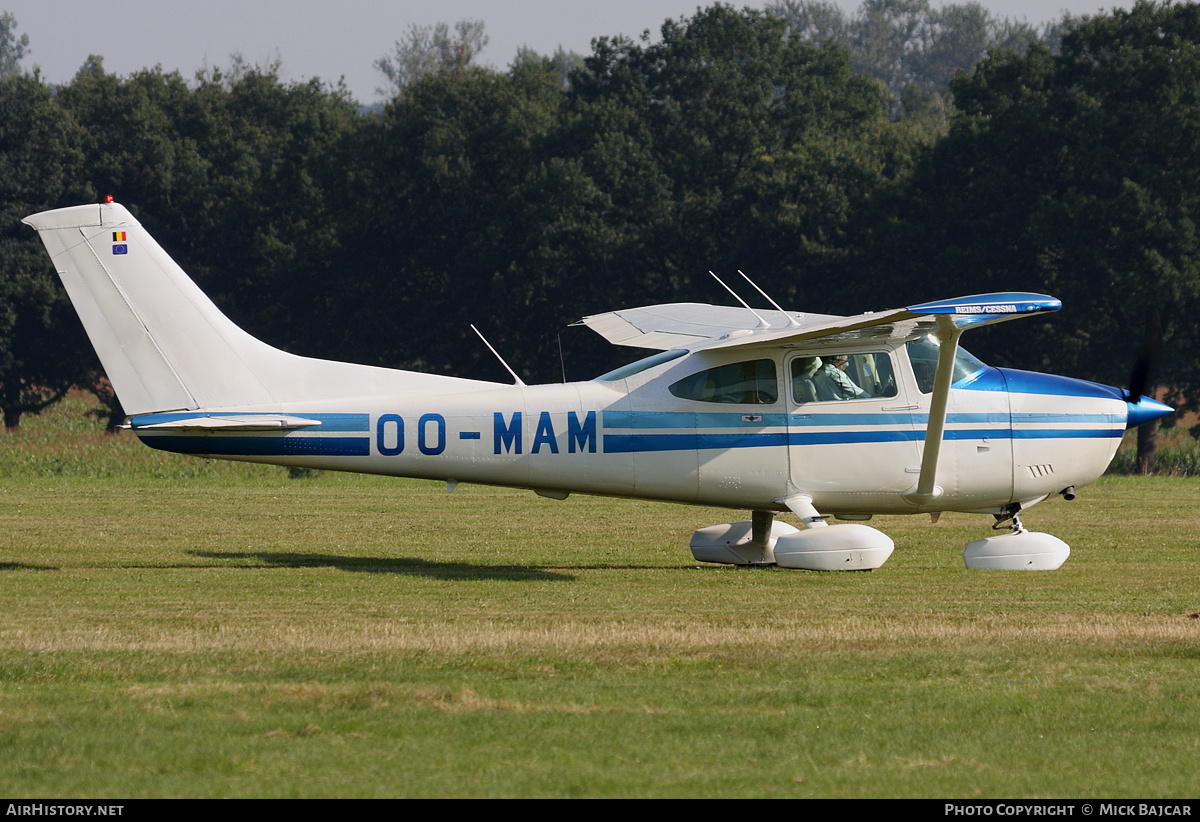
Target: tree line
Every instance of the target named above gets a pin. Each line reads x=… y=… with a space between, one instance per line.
x=522 y=199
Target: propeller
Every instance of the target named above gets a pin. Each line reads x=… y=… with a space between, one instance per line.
x=1147 y=356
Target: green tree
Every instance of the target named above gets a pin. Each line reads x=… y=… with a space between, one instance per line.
x=42 y=348
x=727 y=145
x=429 y=50
x=908 y=44
x=233 y=172
x=1074 y=175
x=564 y=63
x=269 y=237
x=440 y=223
x=12 y=48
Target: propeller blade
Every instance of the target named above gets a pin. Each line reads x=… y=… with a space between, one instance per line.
x=1147 y=356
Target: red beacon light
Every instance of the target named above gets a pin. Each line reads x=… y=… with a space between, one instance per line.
x=108 y=198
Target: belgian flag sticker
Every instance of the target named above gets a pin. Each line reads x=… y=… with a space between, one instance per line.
x=118 y=236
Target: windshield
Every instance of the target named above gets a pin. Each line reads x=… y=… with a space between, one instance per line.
x=923 y=354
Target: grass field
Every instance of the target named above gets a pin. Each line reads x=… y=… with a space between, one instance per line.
x=181 y=628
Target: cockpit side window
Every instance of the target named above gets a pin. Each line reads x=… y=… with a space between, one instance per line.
x=752 y=382
x=835 y=377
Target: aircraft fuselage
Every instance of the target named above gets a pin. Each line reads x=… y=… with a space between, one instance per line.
x=1010 y=436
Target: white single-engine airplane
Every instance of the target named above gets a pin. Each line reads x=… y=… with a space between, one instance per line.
x=765 y=411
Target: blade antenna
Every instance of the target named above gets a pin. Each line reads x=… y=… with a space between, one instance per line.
x=792 y=323
x=761 y=322
x=562 y=360
x=517 y=380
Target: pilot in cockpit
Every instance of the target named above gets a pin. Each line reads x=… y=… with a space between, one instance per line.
x=833 y=383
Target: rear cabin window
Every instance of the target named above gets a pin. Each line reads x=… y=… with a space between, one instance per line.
x=630 y=369
x=746 y=383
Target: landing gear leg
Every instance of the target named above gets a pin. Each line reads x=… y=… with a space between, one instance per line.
x=1011 y=514
x=749 y=542
x=761 y=523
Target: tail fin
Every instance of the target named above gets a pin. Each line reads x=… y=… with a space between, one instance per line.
x=163 y=343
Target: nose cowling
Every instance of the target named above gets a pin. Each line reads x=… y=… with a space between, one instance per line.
x=1144 y=410
x=1137 y=412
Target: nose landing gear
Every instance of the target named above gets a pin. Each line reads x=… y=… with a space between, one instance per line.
x=1018 y=550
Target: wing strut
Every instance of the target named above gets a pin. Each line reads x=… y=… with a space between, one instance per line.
x=927 y=488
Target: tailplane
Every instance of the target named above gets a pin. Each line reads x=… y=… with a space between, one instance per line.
x=163 y=343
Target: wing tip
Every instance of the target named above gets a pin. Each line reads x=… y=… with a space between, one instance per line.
x=1005 y=303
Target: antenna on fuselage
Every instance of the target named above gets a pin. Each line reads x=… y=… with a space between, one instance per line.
x=792 y=323
x=518 y=380
x=561 y=359
x=762 y=323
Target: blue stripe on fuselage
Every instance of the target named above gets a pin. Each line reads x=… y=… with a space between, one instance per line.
x=751 y=430
x=315 y=441
x=852 y=428
x=263 y=446
x=642 y=443
x=641 y=420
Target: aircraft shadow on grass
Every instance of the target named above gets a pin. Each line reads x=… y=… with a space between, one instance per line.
x=25 y=566
x=411 y=566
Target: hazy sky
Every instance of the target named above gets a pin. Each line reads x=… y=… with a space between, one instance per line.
x=342 y=39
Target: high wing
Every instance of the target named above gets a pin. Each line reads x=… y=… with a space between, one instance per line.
x=695 y=326
x=689 y=325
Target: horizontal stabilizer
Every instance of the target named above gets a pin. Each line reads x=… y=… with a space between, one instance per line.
x=224 y=422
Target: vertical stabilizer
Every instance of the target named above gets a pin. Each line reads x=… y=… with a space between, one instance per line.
x=163 y=343
x=95 y=268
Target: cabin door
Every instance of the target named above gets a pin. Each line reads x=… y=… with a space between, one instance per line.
x=853 y=437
